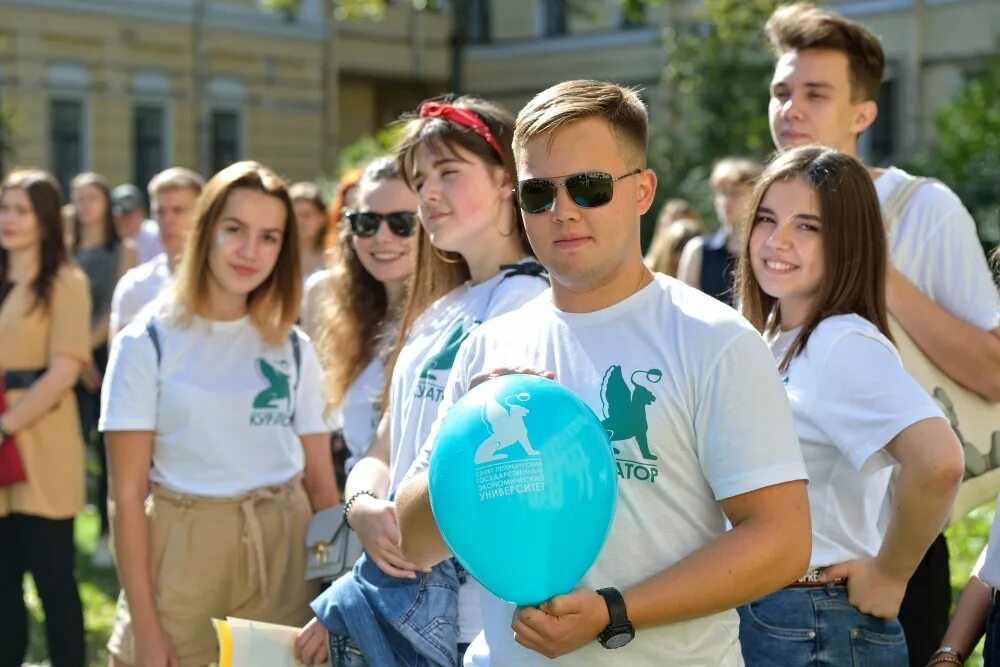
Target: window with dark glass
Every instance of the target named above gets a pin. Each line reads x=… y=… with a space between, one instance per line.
x=882 y=140
x=225 y=139
x=479 y=21
x=149 y=143
x=66 y=140
x=554 y=20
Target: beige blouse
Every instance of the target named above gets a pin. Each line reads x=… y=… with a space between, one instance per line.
x=51 y=447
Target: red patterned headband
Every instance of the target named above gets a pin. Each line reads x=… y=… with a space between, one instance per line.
x=464 y=117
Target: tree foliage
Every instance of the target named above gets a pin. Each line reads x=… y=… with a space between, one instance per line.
x=717 y=75
x=966 y=152
x=366 y=149
x=349 y=9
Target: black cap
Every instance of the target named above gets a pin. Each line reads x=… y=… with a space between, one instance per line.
x=125 y=198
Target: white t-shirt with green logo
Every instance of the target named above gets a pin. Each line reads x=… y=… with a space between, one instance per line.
x=226 y=408
x=421 y=373
x=692 y=399
x=424 y=363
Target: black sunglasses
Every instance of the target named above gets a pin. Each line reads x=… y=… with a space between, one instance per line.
x=587 y=190
x=366 y=223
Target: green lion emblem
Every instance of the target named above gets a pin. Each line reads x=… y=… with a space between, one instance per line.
x=625 y=409
x=445 y=357
x=278 y=388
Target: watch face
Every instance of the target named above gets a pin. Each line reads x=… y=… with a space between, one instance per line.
x=618 y=640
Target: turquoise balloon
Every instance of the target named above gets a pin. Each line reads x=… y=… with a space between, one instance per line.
x=523 y=486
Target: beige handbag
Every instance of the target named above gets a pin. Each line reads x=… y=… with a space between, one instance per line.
x=332 y=548
x=975 y=420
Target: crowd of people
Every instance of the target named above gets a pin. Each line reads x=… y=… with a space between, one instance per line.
x=253 y=356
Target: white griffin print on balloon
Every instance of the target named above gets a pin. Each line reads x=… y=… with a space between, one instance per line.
x=506 y=421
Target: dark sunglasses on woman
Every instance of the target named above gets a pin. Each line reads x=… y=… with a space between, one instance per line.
x=588 y=190
x=366 y=223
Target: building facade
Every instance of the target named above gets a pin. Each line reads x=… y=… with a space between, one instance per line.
x=127 y=87
x=932 y=46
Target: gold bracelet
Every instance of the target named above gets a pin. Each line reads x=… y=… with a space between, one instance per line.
x=948 y=655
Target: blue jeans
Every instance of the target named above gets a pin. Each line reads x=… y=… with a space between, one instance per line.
x=381 y=621
x=817 y=627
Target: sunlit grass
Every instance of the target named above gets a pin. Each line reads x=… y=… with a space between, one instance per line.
x=966 y=540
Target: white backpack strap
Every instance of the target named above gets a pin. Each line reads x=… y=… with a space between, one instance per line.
x=897 y=201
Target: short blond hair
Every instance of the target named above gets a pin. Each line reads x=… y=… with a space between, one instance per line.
x=735 y=171
x=175 y=178
x=572 y=101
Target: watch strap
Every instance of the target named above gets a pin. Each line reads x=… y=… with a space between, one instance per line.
x=616 y=607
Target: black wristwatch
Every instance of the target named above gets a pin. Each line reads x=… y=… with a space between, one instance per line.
x=620 y=630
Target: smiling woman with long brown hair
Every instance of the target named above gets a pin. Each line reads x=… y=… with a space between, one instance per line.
x=215 y=401
x=44 y=341
x=812 y=280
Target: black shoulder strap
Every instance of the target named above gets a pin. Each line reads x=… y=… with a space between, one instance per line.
x=529 y=267
x=154 y=336
x=296 y=353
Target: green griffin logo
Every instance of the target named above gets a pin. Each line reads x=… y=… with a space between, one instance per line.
x=625 y=409
x=445 y=358
x=278 y=388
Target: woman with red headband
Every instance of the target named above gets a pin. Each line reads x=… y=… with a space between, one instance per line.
x=473 y=263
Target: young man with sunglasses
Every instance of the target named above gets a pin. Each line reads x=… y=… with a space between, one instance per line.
x=826 y=81
x=695 y=411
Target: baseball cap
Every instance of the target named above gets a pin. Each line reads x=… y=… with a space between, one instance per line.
x=125 y=198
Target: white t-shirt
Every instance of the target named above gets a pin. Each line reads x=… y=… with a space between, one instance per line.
x=423 y=365
x=935 y=246
x=137 y=288
x=850 y=396
x=361 y=410
x=419 y=378
x=148 y=242
x=717 y=423
x=226 y=408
